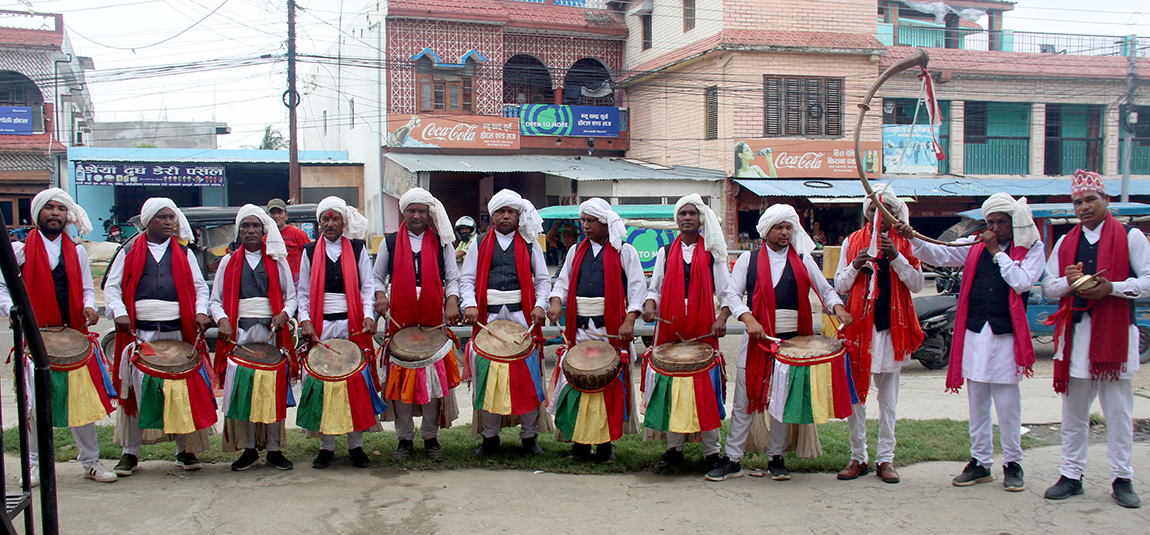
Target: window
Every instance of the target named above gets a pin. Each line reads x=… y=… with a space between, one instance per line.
x=646 y=21
x=688 y=15
x=711 y=97
x=447 y=89
x=802 y=106
x=351 y=113
x=325 y=122
x=974 y=122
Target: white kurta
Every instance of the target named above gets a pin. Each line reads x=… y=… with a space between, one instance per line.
x=335 y=303
x=988 y=357
x=52 y=248
x=381 y=275
x=258 y=333
x=114 y=296
x=467 y=284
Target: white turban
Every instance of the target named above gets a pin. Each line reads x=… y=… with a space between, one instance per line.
x=780 y=213
x=599 y=209
x=76 y=215
x=354 y=224
x=711 y=230
x=155 y=204
x=439 y=220
x=1025 y=231
x=890 y=199
x=276 y=248
x=530 y=223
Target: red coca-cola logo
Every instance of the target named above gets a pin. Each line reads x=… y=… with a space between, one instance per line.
x=458 y=132
x=808 y=160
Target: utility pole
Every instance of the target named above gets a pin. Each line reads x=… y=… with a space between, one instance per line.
x=1124 y=123
x=291 y=100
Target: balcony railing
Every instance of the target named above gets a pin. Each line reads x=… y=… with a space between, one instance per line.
x=1011 y=41
x=997 y=155
x=1072 y=154
x=1139 y=157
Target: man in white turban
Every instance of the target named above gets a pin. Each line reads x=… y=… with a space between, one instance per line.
x=336 y=296
x=689 y=274
x=155 y=291
x=505 y=278
x=780 y=309
x=58 y=279
x=417 y=285
x=603 y=287
x=879 y=273
x=992 y=350
x=252 y=299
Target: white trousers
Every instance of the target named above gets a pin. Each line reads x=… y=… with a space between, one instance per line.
x=405 y=422
x=740 y=420
x=676 y=441
x=492 y=423
x=1117 y=401
x=1007 y=401
x=84 y=435
x=354 y=440
x=886 y=385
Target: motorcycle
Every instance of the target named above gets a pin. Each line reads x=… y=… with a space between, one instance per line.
x=936 y=314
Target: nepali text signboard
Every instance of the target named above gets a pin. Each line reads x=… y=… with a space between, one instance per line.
x=916 y=142
x=149 y=174
x=802 y=158
x=571 y=121
x=430 y=131
x=15 y=120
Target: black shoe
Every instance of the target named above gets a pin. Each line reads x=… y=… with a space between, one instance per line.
x=433 y=450
x=246 y=460
x=323 y=460
x=778 y=469
x=711 y=462
x=1065 y=488
x=1012 y=477
x=187 y=461
x=489 y=447
x=580 y=452
x=1124 y=494
x=531 y=446
x=727 y=469
x=277 y=460
x=974 y=473
x=128 y=463
x=672 y=459
x=359 y=459
x=605 y=453
x=403 y=451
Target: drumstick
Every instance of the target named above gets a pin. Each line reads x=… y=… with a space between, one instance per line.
x=528 y=333
x=391 y=319
x=668 y=322
x=492 y=333
x=563 y=333
x=145 y=347
x=604 y=335
x=429 y=329
x=698 y=338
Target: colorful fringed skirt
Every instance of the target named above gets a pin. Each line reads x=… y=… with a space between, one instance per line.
x=508 y=386
x=176 y=403
x=256 y=392
x=593 y=417
x=418 y=384
x=82 y=392
x=811 y=390
x=340 y=406
x=684 y=402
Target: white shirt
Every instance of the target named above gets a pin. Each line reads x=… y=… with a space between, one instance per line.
x=738 y=286
x=636 y=283
x=718 y=272
x=333 y=251
x=287 y=287
x=450 y=269
x=541 y=280
x=52 y=248
x=114 y=296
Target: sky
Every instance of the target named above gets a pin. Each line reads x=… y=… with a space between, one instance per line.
x=125 y=36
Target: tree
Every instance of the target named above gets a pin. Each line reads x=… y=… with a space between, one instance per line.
x=273 y=139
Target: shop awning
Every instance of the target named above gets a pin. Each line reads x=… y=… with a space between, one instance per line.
x=929 y=187
x=572 y=167
x=625 y=211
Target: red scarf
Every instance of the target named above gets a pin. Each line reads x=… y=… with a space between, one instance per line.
x=134 y=261
x=614 y=295
x=349 y=265
x=522 y=269
x=231 y=296
x=406 y=309
x=38 y=277
x=1023 y=348
x=759 y=362
x=906 y=333
x=1109 y=316
x=697 y=317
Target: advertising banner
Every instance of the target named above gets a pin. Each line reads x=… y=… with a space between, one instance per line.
x=804 y=158
x=916 y=142
x=149 y=174
x=15 y=120
x=431 y=131
x=570 y=121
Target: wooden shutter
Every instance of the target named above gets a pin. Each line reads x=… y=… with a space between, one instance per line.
x=772 y=106
x=833 y=104
x=711 y=96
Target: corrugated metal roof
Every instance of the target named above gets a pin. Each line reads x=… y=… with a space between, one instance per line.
x=573 y=167
x=930 y=187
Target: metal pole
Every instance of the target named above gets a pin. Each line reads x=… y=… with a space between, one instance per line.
x=1131 y=52
x=16 y=316
x=291 y=100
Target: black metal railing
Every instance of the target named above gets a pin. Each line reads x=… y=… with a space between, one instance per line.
x=1012 y=41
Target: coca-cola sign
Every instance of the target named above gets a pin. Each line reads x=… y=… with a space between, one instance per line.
x=431 y=131
x=799 y=158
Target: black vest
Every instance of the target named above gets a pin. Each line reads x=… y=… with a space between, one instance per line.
x=157 y=282
x=253 y=283
x=592 y=283
x=687 y=268
x=333 y=272
x=1088 y=254
x=389 y=242
x=60 y=282
x=882 y=302
x=786 y=291
x=502 y=275
x=989 y=299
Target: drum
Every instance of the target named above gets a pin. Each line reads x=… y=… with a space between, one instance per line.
x=810 y=381
x=171 y=357
x=515 y=345
x=336 y=361
x=591 y=366
x=682 y=357
x=417 y=347
x=260 y=353
x=65 y=346
x=809 y=350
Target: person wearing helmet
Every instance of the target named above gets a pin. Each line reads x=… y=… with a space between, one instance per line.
x=465 y=228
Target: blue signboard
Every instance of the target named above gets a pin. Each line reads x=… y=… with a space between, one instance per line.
x=149 y=174
x=648 y=241
x=572 y=121
x=15 y=120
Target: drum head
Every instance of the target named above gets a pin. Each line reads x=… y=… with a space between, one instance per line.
x=591 y=358
x=65 y=345
x=172 y=356
x=339 y=362
x=683 y=356
x=514 y=344
x=802 y=347
x=414 y=344
x=261 y=353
